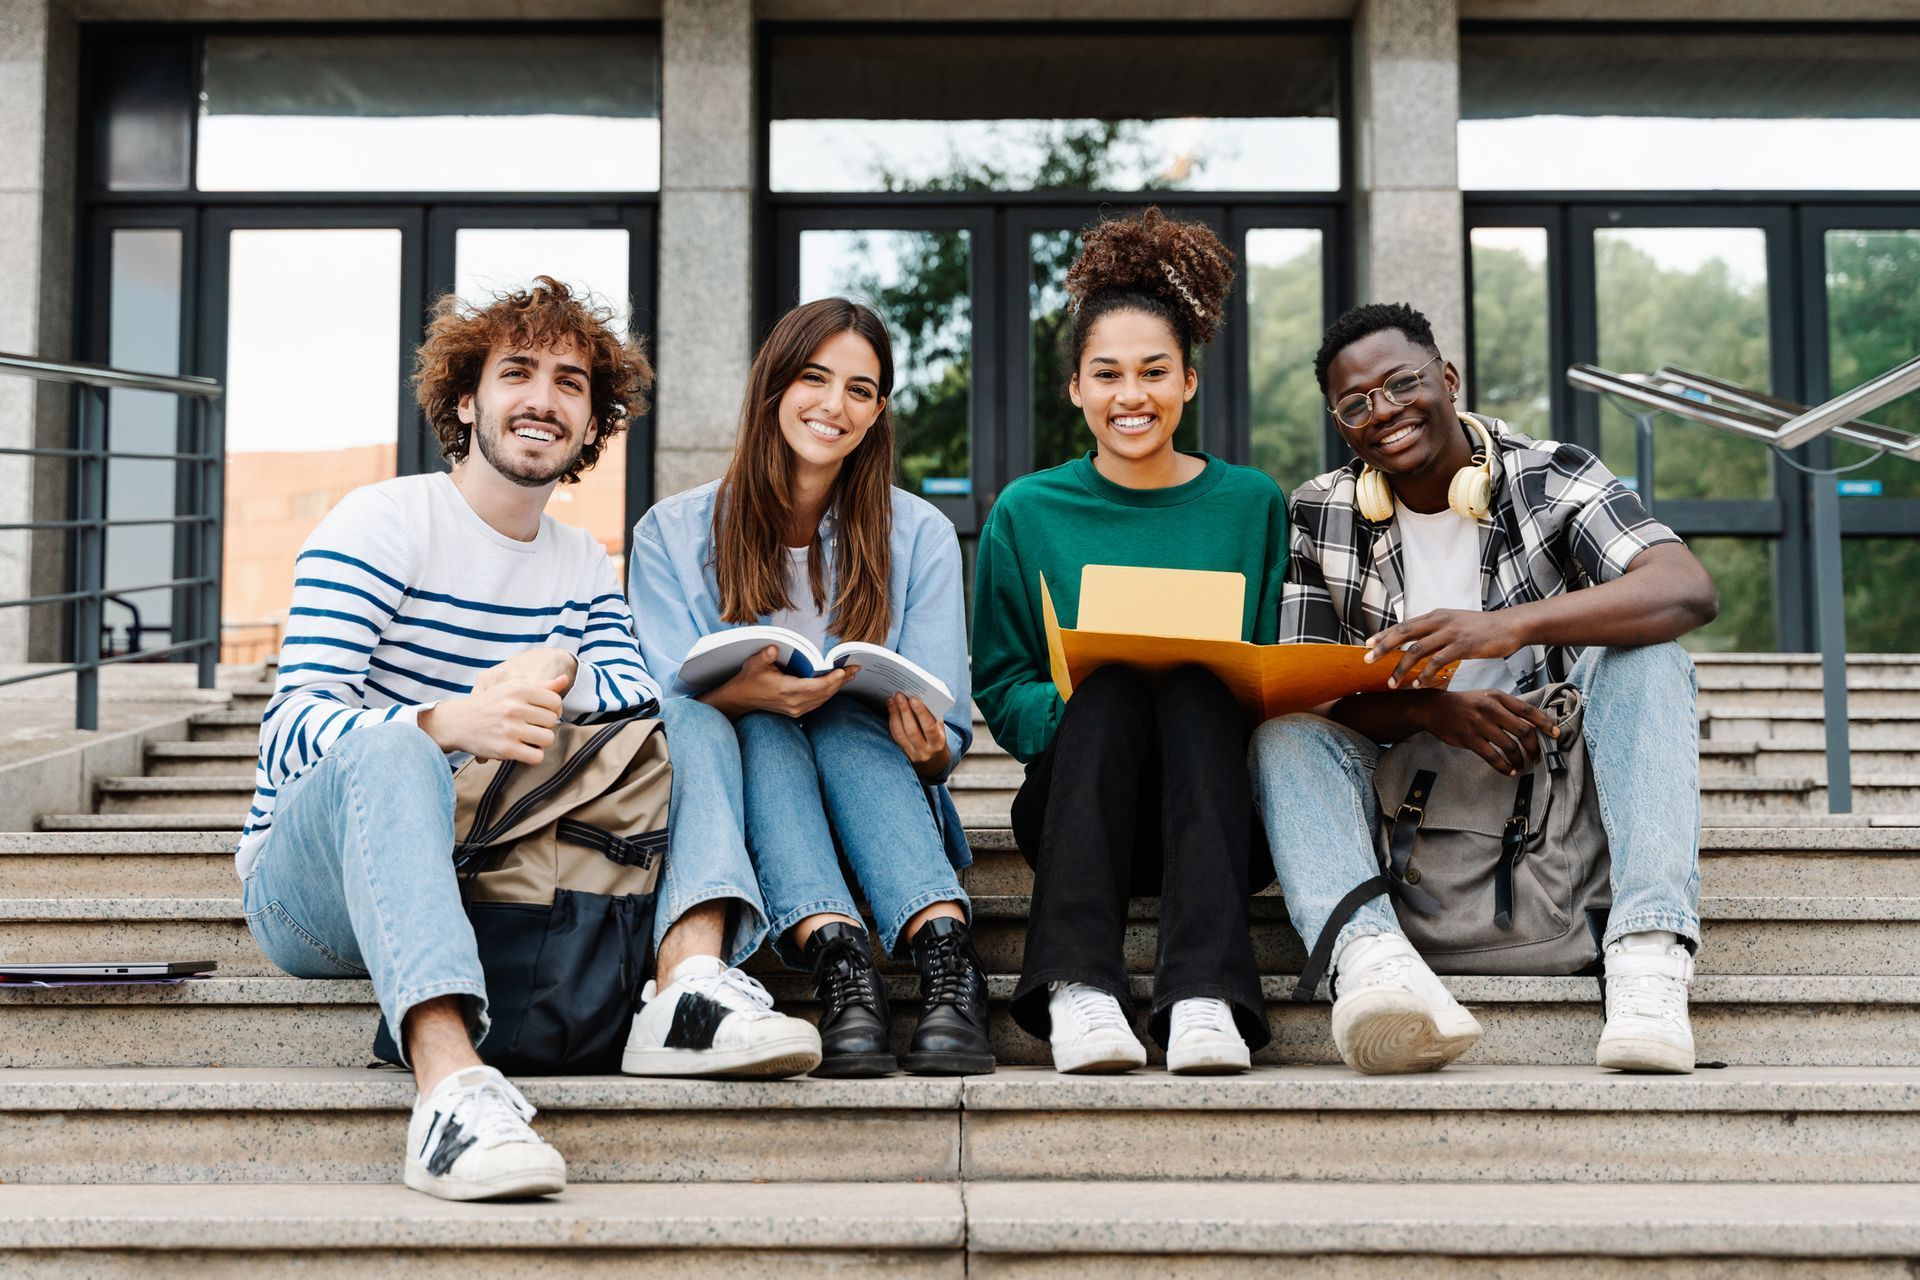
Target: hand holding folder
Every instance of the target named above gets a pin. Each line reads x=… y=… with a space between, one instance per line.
x=1157 y=619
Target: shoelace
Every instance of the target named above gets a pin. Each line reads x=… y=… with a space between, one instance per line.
x=850 y=979
x=1645 y=995
x=1202 y=1015
x=740 y=992
x=492 y=1110
x=948 y=975
x=1095 y=1009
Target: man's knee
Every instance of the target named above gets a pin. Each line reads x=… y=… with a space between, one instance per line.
x=393 y=749
x=1654 y=669
x=1294 y=744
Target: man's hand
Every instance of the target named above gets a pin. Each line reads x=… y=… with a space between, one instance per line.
x=920 y=734
x=512 y=720
x=1496 y=726
x=760 y=685
x=1440 y=638
x=538 y=665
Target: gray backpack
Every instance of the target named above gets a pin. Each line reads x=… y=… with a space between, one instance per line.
x=1488 y=874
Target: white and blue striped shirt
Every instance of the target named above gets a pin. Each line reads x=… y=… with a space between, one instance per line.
x=402 y=596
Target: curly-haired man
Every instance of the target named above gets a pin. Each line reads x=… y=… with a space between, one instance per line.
x=444 y=616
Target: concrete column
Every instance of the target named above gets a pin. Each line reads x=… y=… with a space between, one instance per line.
x=38 y=70
x=1409 y=238
x=709 y=178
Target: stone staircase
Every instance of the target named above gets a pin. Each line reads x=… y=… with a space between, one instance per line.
x=231 y=1126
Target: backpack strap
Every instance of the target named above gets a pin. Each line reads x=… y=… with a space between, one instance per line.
x=1322 y=957
x=1513 y=843
x=629 y=851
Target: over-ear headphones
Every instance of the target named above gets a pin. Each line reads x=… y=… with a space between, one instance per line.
x=1470 y=494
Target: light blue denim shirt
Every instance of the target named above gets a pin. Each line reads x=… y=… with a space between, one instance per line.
x=676 y=601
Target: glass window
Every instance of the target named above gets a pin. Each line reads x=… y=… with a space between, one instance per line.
x=1689 y=112
x=1285 y=317
x=1742 y=570
x=144 y=335
x=312 y=403
x=430 y=113
x=1873 y=323
x=1882 y=608
x=1050 y=109
x=1695 y=297
x=918 y=282
x=490 y=260
x=1512 y=338
x=143 y=114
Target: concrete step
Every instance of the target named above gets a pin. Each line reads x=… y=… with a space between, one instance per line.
x=1465 y=1124
x=1730 y=757
x=1784 y=856
x=687 y=1231
x=1097 y=1229
x=1740 y=935
x=265 y=1021
x=1806 y=727
x=225 y=725
x=222 y=821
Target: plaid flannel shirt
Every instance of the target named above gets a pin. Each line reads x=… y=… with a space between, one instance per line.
x=1560 y=521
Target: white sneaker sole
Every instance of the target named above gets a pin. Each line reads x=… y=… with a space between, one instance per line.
x=1387 y=1032
x=1644 y=1053
x=1099 y=1057
x=1210 y=1060
x=506 y=1184
x=776 y=1059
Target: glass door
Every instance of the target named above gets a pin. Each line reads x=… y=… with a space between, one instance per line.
x=304 y=324
x=926 y=273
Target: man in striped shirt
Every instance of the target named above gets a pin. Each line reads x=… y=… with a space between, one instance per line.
x=440 y=618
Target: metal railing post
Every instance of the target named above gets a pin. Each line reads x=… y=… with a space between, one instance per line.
x=1830 y=613
x=90 y=557
x=207 y=543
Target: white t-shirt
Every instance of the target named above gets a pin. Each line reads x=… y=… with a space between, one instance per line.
x=803 y=617
x=1440 y=565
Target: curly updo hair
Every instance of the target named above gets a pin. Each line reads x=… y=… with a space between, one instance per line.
x=540 y=317
x=1148 y=262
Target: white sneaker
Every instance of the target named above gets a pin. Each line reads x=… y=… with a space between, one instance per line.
x=469 y=1140
x=1204 y=1040
x=715 y=1021
x=1393 y=1016
x=1647 y=1027
x=1091 y=1033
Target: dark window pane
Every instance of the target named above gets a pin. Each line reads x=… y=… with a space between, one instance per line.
x=1511 y=340
x=430 y=113
x=142 y=115
x=1048 y=110
x=1670 y=112
x=1285 y=315
x=919 y=283
x=1742 y=570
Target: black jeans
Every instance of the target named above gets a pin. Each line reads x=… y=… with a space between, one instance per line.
x=1144 y=791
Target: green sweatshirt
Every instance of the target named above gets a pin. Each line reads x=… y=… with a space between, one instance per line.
x=1057 y=521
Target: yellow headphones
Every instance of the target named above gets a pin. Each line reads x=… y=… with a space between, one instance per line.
x=1470 y=494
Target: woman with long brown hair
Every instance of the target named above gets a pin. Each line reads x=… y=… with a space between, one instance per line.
x=807 y=532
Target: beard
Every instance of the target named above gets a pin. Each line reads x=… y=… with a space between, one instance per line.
x=531 y=473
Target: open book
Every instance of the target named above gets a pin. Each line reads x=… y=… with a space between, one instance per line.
x=718 y=657
x=1158 y=619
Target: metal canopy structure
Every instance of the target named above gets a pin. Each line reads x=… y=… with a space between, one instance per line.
x=1782 y=424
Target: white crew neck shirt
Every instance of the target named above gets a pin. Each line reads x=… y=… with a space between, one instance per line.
x=1440 y=566
x=803 y=617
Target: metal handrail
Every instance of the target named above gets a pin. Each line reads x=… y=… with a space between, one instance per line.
x=1781 y=424
x=201 y=463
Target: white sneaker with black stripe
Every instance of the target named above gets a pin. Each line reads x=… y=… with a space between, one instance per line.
x=715 y=1021
x=469 y=1140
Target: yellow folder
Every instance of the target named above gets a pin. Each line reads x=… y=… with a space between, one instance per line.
x=1157 y=619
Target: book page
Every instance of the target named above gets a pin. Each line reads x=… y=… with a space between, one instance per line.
x=884 y=673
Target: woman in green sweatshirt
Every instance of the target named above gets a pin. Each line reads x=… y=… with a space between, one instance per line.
x=1137 y=786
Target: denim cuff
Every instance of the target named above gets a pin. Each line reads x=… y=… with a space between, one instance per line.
x=473 y=1008
x=1686 y=926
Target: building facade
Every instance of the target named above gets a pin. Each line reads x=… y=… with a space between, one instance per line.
x=272 y=192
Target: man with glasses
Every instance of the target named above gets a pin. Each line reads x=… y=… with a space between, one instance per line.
x=1528 y=563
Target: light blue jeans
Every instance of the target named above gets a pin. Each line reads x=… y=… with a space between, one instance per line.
x=357 y=878
x=838 y=772
x=1313 y=786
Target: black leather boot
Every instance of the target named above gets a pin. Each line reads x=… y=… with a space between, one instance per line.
x=951 y=1039
x=853 y=1003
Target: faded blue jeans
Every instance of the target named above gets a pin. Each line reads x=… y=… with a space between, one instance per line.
x=356 y=879
x=1313 y=786
x=837 y=772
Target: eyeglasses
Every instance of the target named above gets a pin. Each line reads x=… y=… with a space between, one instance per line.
x=1400 y=390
